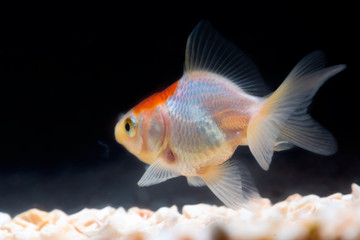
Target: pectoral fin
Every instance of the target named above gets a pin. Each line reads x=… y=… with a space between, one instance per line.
x=158 y=172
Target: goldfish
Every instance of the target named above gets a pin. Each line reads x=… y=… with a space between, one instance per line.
x=193 y=127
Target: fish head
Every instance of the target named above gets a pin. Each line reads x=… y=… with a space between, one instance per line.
x=142 y=134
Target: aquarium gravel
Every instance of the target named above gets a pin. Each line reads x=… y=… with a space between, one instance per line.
x=298 y=217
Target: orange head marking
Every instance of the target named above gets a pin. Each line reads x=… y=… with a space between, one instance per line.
x=156 y=99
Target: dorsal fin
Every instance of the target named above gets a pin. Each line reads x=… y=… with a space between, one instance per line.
x=206 y=50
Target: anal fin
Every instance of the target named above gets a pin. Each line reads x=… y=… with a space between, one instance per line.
x=195 y=181
x=282 y=145
x=231 y=183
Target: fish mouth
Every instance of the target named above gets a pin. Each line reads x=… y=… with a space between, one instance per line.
x=118 y=133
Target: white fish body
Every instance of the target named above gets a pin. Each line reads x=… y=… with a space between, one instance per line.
x=193 y=127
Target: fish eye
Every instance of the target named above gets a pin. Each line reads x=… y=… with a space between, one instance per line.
x=127 y=126
x=130 y=126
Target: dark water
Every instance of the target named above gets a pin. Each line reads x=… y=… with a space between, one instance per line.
x=66 y=77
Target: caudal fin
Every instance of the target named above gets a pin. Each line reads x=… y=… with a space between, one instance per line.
x=283 y=116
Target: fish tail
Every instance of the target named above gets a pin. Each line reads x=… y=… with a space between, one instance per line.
x=282 y=119
x=231 y=183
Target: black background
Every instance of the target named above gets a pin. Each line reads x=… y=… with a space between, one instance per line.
x=67 y=72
